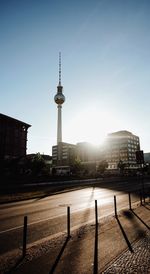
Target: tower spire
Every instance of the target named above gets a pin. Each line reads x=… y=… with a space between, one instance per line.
x=59 y=68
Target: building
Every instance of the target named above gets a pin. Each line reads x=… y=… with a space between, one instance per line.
x=86 y=152
x=89 y=155
x=13 y=137
x=147 y=157
x=121 y=146
x=63 y=156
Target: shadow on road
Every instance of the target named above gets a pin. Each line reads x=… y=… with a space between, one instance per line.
x=127 y=184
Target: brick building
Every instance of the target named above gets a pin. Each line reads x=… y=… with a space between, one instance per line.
x=13 y=137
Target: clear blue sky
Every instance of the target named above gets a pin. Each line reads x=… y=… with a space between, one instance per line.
x=105 y=49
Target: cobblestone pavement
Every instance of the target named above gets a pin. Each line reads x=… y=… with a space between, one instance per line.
x=137 y=262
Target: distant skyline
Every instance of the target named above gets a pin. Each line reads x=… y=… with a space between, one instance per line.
x=105 y=68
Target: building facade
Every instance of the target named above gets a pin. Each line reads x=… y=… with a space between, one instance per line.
x=13 y=137
x=86 y=152
x=89 y=155
x=121 y=146
x=63 y=154
x=147 y=157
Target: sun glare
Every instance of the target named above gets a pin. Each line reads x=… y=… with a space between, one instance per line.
x=92 y=125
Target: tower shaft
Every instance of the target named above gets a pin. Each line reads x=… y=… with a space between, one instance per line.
x=59 y=125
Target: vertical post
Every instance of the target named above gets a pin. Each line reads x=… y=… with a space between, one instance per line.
x=129 y=200
x=96 y=214
x=143 y=189
x=115 y=207
x=95 y=270
x=68 y=221
x=25 y=236
x=141 y=198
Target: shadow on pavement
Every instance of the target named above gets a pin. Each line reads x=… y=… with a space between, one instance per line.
x=79 y=247
x=146 y=207
x=140 y=219
x=17 y=264
x=124 y=235
x=59 y=256
x=96 y=250
x=128 y=214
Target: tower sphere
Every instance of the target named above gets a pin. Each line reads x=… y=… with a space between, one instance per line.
x=59 y=99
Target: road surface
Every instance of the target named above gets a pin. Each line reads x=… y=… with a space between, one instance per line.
x=48 y=216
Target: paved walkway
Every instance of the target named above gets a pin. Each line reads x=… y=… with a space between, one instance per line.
x=136 y=262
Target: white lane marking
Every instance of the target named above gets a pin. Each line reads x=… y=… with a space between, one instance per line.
x=52 y=217
x=75 y=211
x=10 y=229
x=21 y=226
x=60 y=215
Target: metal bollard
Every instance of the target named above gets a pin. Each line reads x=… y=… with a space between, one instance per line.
x=143 y=189
x=141 y=198
x=25 y=236
x=68 y=221
x=95 y=270
x=130 y=201
x=115 y=207
x=96 y=213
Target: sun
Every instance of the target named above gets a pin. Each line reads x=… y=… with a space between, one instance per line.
x=92 y=125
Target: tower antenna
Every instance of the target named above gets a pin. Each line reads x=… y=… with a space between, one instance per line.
x=59 y=68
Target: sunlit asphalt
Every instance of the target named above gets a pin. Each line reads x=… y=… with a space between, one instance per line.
x=47 y=216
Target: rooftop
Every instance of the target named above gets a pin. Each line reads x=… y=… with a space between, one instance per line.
x=8 y=118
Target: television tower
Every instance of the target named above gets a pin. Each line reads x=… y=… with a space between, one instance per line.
x=59 y=99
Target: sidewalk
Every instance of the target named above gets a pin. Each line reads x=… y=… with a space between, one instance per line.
x=137 y=262
x=111 y=248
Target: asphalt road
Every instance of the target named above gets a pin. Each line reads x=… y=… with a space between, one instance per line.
x=48 y=216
